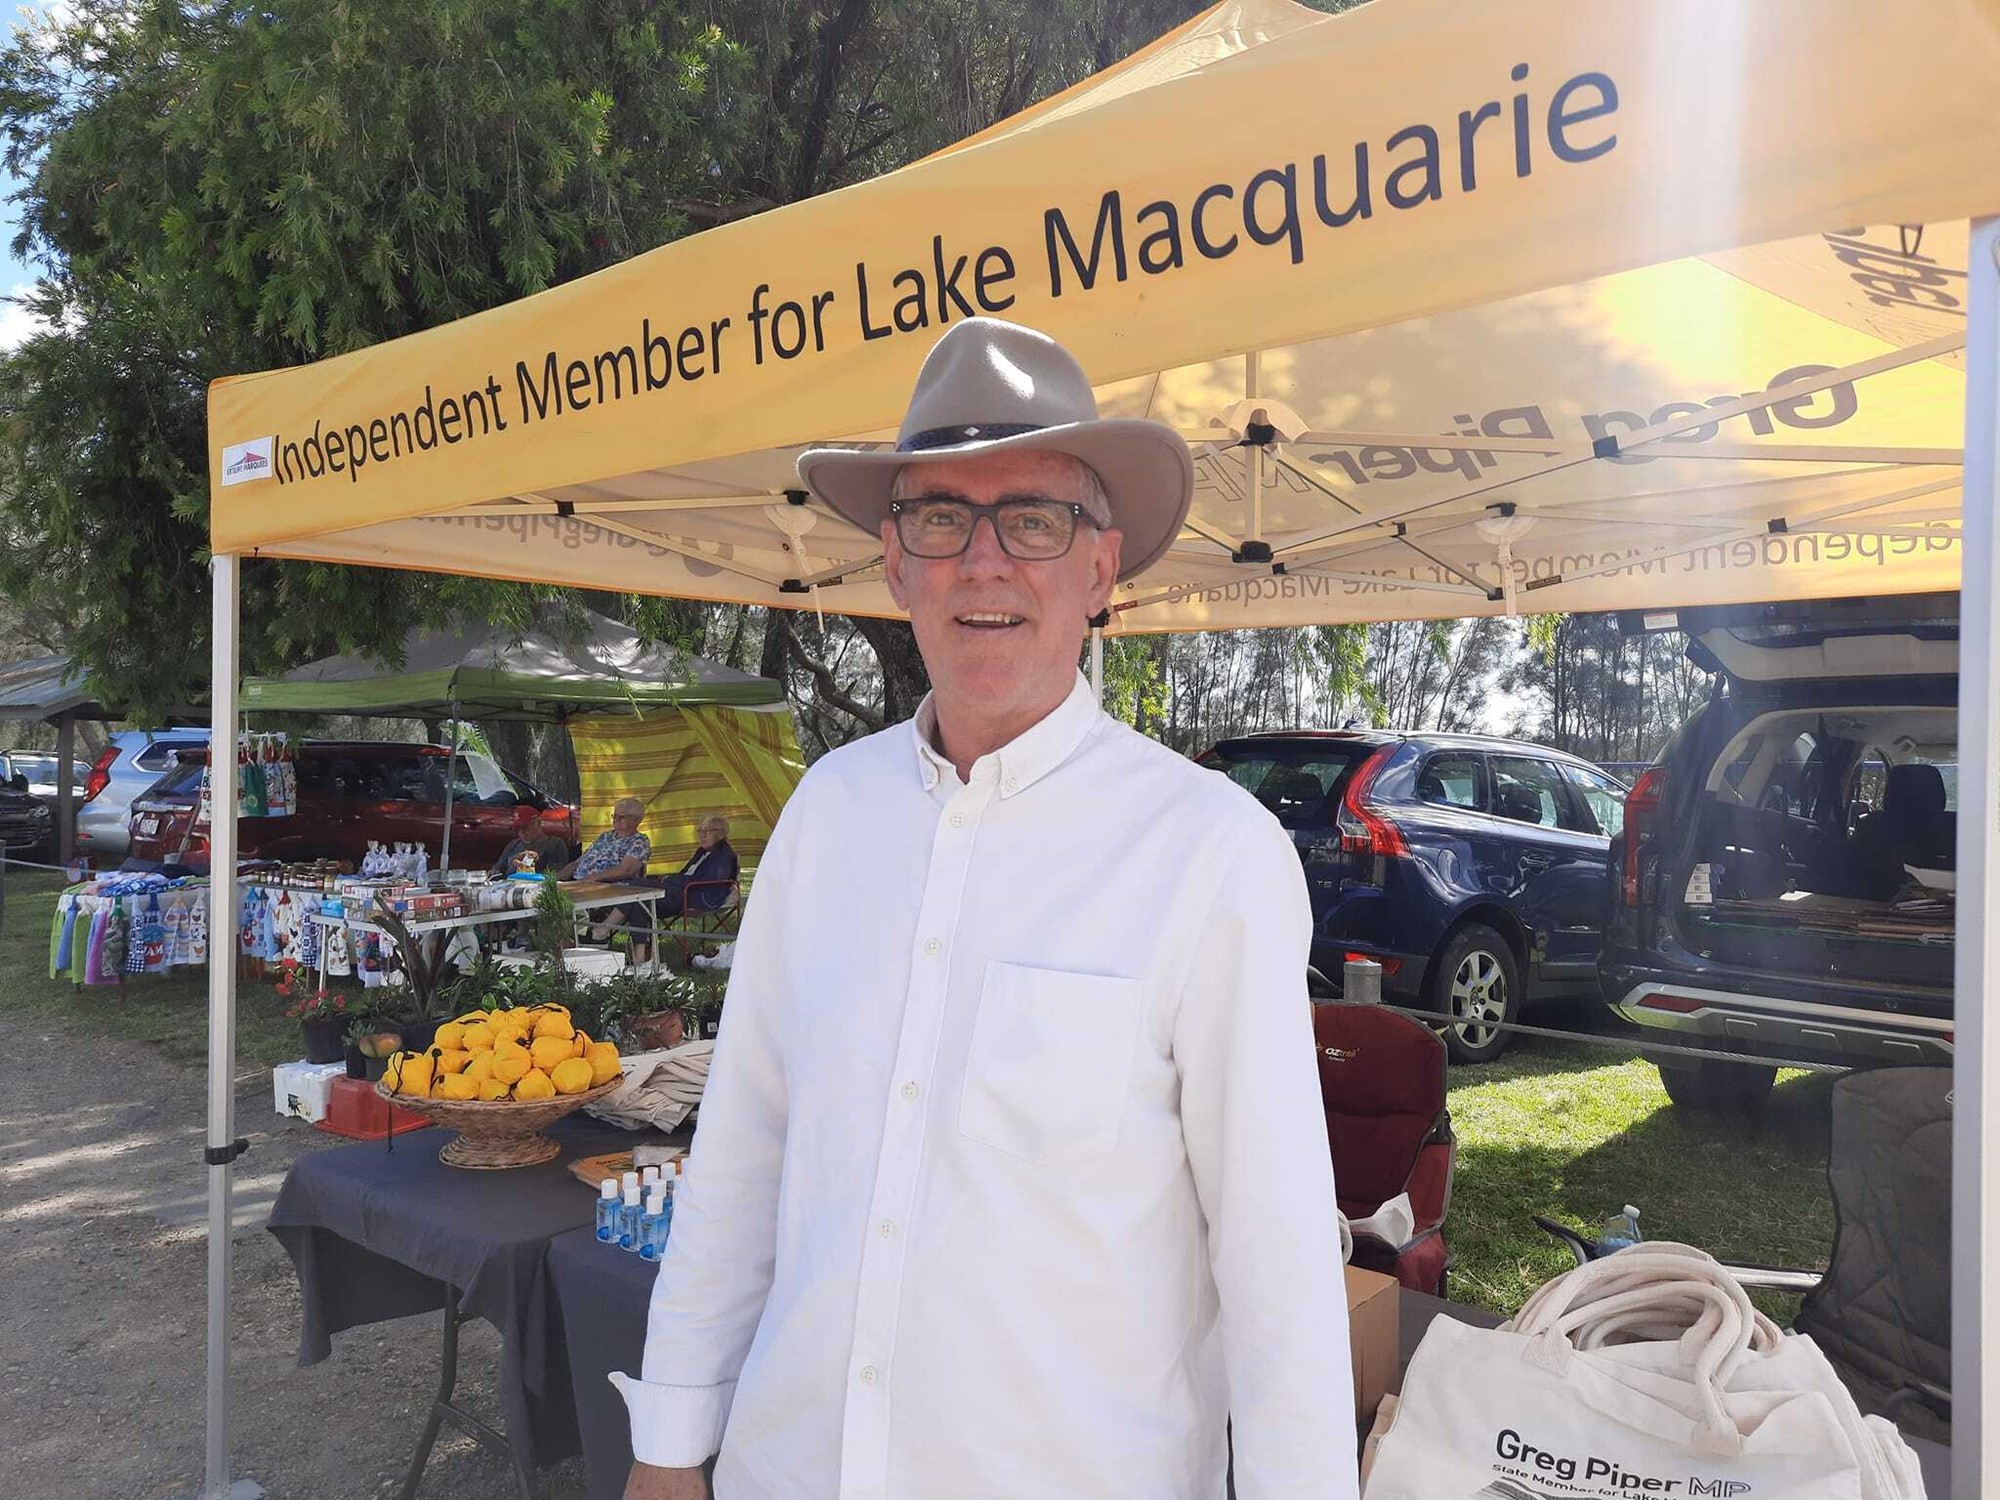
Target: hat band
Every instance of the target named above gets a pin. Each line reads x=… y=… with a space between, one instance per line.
x=952 y=437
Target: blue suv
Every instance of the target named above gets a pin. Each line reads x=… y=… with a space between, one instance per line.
x=1472 y=869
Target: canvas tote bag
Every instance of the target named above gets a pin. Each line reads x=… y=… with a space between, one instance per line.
x=1646 y=1374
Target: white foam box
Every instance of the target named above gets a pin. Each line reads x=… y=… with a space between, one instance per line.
x=300 y=1090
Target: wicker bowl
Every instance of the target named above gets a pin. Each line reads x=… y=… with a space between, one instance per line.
x=498 y=1133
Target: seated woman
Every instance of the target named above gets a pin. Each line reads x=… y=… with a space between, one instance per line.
x=702 y=884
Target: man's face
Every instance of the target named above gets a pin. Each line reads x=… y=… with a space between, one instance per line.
x=999 y=634
x=708 y=835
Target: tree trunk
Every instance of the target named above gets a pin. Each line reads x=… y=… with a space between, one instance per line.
x=904 y=680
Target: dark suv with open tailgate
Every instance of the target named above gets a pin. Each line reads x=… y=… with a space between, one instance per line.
x=1784 y=885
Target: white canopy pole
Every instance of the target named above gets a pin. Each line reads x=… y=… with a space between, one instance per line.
x=1975 y=1195
x=223 y=1147
x=1097 y=663
x=450 y=781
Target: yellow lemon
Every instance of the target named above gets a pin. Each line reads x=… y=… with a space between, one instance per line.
x=582 y=1043
x=481 y=1067
x=476 y=1036
x=450 y=1036
x=471 y=1016
x=535 y=1085
x=453 y=1060
x=490 y=1089
x=461 y=1086
x=571 y=1076
x=603 y=1060
x=553 y=1023
x=550 y=1050
x=511 y=1062
x=409 y=1073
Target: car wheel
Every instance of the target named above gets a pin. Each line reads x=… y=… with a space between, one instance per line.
x=1475 y=980
x=1714 y=1087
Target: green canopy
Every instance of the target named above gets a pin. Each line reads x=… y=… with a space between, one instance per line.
x=546 y=675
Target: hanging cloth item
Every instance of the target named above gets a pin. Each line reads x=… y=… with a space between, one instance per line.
x=310 y=934
x=152 y=939
x=197 y=930
x=339 y=953
x=117 y=943
x=175 y=921
x=65 y=936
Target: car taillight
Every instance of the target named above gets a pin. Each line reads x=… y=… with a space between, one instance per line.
x=1642 y=807
x=100 y=774
x=1390 y=966
x=1362 y=829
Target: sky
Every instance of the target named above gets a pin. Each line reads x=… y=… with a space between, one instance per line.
x=15 y=324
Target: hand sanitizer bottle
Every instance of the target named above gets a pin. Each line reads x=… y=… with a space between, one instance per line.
x=607 y=1211
x=629 y=1214
x=653 y=1226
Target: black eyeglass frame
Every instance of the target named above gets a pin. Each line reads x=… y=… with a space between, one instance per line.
x=990 y=513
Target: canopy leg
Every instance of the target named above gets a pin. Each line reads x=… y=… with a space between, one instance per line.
x=223 y=1146
x=1097 y=663
x=1975 y=1217
x=450 y=781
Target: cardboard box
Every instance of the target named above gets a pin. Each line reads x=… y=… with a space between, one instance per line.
x=300 y=1089
x=1374 y=1337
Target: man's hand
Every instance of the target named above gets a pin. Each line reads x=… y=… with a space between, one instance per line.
x=650 y=1483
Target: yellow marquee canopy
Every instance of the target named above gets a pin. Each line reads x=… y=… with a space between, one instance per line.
x=1535 y=304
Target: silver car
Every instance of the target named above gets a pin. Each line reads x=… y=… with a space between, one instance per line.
x=135 y=759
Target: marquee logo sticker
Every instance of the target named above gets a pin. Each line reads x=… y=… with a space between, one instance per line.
x=242 y=462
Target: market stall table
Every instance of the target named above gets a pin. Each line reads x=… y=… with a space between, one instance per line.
x=585 y=896
x=601 y=1299
x=384 y=1231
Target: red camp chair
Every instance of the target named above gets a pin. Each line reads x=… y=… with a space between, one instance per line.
x=1382 y=1081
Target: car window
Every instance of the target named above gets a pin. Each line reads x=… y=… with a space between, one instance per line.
x=1871 y=783
x=159 y=755
x=1526 y=791
x=1603 y=800
x=1299 y=783
x=349 y=778
x=183 y=781
x=415 y=778
x=1453 y=778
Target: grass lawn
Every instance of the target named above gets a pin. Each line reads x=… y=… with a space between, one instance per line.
x=168 y=1010
x=1567 y=1130
x=1575 y=1132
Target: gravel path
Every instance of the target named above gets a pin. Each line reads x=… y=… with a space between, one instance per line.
x=103 y=1316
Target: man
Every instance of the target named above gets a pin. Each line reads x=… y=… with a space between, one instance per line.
x=1012 y=1176
x=548 y=850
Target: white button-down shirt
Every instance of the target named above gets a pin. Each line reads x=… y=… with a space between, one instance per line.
x=1012 y=1175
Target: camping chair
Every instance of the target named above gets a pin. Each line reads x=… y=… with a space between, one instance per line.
x=1382 y=1084
x=1881 y=1311
x=698 y=922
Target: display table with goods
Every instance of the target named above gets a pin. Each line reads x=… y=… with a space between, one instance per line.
x=386 y=1230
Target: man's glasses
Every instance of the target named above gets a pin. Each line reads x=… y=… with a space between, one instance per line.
x=1032 y=530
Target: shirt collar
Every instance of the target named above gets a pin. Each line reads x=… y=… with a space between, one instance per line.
x=1023 y=760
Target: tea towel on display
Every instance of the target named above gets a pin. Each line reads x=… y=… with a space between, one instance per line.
x=1647 y=1372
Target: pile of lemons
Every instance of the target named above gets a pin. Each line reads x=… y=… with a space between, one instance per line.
x=532 y=1053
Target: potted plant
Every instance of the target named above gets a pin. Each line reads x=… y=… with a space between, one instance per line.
x=373 y=1035
x=322 y=1019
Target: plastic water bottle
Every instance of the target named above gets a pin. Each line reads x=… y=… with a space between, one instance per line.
x=629 y=1215
x=653 y=1226
x=649 y=1178
x=1620 y=1233
x=607 y=1211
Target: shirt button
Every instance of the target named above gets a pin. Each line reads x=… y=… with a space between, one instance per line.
x=910 y=1090
x=958 y=820
x=867 y=1374
x=885 y=1229
x=931 y=945
x=1010 y=785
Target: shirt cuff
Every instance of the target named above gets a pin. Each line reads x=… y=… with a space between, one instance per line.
x=675 y=1426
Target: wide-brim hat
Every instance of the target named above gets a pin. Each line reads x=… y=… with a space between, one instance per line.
x=990 y=386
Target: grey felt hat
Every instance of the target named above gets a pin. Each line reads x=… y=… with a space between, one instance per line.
x=989 y=386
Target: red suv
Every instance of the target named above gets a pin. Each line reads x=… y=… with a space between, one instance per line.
x=351 y=792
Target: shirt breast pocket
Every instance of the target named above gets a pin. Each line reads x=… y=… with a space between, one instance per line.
x=1050 y=1063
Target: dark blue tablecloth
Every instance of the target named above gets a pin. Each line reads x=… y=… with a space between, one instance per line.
x=375 y=1234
